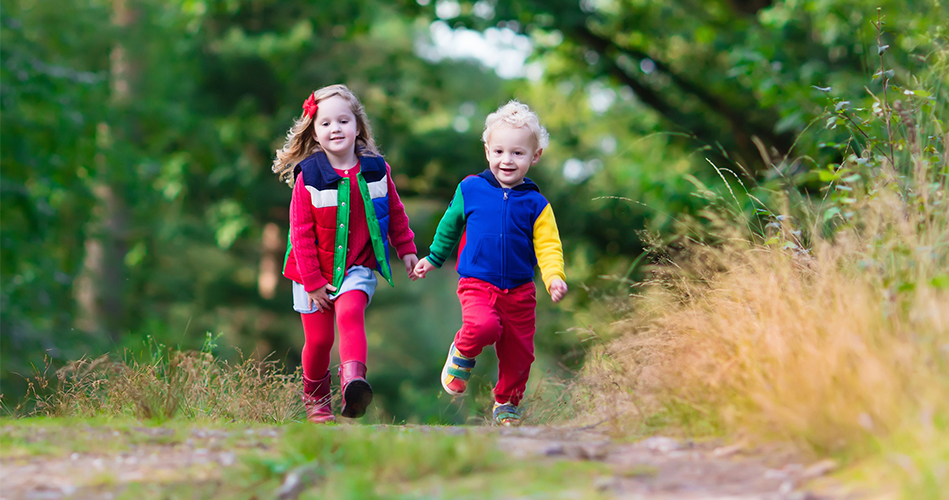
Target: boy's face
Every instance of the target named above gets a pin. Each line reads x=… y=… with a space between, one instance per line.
x=511 y=151
x=335 y=126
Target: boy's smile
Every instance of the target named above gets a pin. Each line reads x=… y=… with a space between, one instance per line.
x=511 y=151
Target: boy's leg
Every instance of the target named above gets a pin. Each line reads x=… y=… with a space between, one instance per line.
x=480 y=322
x=481 y=326
x=515 y=347
x=318 y=336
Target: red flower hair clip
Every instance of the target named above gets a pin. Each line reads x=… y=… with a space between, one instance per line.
x=310 y=106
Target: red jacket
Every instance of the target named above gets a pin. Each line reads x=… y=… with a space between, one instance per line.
x=316 y=241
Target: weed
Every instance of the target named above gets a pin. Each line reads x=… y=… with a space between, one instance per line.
x=827 y=324
x=168 y=383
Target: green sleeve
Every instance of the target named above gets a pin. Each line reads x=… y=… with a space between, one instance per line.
x=449 y=230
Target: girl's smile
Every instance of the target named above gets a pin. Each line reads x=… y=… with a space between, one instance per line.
x=335 y=129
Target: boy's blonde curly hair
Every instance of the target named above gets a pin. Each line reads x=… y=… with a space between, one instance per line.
x=301 y=140
x=516 y=114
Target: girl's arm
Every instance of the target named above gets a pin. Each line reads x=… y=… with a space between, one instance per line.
x=550 y=253
x=400 y=234
x=449 y=230
x=303 y=237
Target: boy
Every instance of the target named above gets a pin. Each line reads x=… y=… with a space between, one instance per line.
x=506 y=227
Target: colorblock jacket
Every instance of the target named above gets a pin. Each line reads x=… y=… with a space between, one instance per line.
x=318 y=246
x=503 y=233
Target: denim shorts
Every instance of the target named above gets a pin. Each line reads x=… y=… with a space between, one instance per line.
x=357 y=278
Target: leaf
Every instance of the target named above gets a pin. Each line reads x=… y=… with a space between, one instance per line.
x=841 y=105
x=882 y=49
x=851 y=178
x=906 y=286
x=823 y=89
x=889 y=73
x=827 y=176
x=941 y=282
x=830 y=213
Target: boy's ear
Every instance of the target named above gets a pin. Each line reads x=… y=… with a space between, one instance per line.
x=536 y=157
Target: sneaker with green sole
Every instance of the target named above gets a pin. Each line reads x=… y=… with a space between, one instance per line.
x=506 y=414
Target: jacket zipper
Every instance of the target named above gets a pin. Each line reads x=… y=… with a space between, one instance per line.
x=504 y=228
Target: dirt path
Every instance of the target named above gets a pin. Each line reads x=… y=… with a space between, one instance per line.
x=656 y=468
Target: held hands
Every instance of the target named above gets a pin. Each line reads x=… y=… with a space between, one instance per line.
x=410 y=261
x=557 y=289
x=320 y=297
x=423 y=267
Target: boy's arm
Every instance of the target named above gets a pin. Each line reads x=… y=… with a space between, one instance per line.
x=449 y=230
x=548 y=248
x=303 y=237
x=400 y=234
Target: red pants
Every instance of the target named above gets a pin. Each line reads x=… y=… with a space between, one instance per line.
x=349 y=311
x=504 y=318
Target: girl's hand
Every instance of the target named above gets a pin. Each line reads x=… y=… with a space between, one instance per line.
x=423 y=267
x=410 y=261
x=557 y=289
x=320 y=297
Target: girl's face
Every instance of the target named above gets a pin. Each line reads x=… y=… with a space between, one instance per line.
x=335 y=127
x=511 y=152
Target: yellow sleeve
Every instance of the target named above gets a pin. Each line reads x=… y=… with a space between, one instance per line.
x=547 y=247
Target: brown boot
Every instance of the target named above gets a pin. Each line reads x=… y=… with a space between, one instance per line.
x=316 y=398
x=357 y=393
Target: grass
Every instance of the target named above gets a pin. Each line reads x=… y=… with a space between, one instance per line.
x=335 y=462
x=827 y=327
x=413 y=462
x=164 y=384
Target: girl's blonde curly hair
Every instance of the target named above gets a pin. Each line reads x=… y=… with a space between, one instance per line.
x=301 y=140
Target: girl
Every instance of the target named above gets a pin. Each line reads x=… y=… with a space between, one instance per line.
x=344 y=207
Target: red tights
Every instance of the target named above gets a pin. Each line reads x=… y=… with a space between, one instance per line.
x=349 y=310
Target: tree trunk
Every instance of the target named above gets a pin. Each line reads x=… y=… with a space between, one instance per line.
x=100 y=288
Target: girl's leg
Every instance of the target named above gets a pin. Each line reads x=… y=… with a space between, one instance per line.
x=351 y=321
x=515 y=348
x=480 y=322
x=318 y=342
x=350 y=309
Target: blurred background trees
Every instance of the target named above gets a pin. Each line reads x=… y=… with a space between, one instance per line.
x=137 y=135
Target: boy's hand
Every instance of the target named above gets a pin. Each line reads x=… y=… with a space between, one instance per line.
x=410 y=261
x=557 y=289
x=423 y=267
x=320 y=297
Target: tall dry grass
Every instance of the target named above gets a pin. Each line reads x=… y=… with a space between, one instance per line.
x=168 y=383
x=831 y=331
